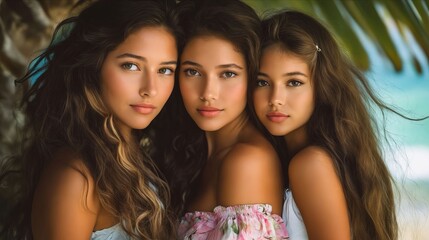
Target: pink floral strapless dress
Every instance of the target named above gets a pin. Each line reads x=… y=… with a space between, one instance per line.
x=243 y=222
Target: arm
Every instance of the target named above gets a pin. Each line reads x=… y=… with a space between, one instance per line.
x=318 y=193
x=65 y=205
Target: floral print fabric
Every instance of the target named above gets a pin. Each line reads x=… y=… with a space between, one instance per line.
x=241 y=222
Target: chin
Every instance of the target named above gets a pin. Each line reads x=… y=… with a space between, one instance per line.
x=208 y=127
x=277 y=132
x=141 y=126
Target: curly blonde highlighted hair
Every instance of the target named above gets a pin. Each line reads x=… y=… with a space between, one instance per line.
x=64 y=108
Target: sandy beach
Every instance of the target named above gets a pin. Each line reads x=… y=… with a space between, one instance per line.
x=413 y=210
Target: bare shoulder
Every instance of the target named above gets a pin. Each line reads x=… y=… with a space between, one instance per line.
x=312 y=173
x=252 y=151
x=251 y=155
x=310 y=160
x=66 y=171
x=246 y=160
x=319 y=194
x=251 y=174
x=64 y=199
x=68 y=159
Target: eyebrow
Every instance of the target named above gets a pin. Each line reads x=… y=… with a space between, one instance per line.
x=191 y=63
x=285 y=75
x=141 y=58
x=169 y=63
x=231 y=65
x=125 y=55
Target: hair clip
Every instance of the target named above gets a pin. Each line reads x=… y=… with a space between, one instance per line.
x=317 y=48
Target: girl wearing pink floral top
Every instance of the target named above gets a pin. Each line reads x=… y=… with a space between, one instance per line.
x=225 y=177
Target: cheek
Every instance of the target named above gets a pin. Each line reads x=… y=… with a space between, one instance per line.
x=310 y=105
x=306 y=103
x=111 y=84
x=166 y=87
x=236 y=92
x=239 y=94
x=187 y=91
x=260 y=100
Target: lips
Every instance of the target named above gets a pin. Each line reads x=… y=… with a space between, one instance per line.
x=209 y=111
x=277 y=117
x=143 y=108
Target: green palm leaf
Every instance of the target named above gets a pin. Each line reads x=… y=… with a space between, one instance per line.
x=345 y=32
x=374 y=17
x=367 y=17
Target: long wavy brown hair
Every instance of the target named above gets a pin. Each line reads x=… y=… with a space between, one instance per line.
x=239 y=24
x=342 y=123
x=64 y=108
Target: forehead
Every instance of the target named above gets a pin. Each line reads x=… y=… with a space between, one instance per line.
x=149 y=36
x=211 y=49
x=276 y=59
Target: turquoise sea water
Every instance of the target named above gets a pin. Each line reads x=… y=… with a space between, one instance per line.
x=408 y=159
x=408 y=92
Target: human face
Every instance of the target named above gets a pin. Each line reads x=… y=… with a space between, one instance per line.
x=138 y=76
x=213 y=82
x=284 y=95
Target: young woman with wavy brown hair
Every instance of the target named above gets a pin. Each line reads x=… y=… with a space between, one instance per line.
x=320 y=105
x=225 y=177
x=100 y=87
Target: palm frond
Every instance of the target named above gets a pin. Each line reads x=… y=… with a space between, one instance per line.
x=375 y=18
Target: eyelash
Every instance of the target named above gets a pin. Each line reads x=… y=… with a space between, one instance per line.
x=188 y=70
x=170 y=69
x=128 y=65
x=290 y=83
x=294 y=83
x=261 y=83
x=223 y=75
x=196 y=73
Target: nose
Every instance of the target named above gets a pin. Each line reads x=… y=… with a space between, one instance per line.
x=277 y=97
x=210 y=89
x=148 y=85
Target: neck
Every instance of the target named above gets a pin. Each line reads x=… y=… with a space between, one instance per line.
x=127 y=135
x=227 y=136
x=129 y=138
x=296 y=140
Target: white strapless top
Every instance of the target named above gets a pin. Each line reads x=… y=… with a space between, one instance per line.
x=113 y=233
x=292 y=217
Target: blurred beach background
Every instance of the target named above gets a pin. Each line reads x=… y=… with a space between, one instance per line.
x=389 y=39
x=408 y=90
x=408 y=159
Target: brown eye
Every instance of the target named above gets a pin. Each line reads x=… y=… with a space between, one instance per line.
x=294 y=83
x=228 y=75
x=262 y=83
x=192 y=72
x=166 y=71
x=130 y=66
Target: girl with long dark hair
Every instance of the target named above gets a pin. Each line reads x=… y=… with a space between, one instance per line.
x=310 y=95
x=225 y=177
x=99 y=88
